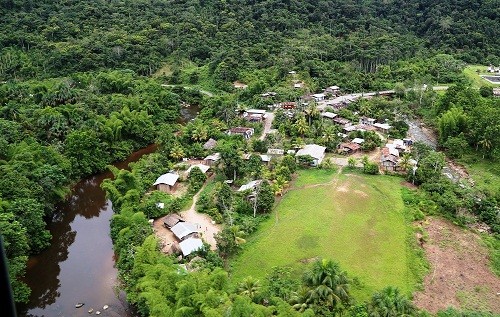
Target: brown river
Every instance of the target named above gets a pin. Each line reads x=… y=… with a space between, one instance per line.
x=79 y=265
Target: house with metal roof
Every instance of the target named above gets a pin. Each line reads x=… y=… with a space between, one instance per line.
x=190 y=245
x=203 y=168
x=184 y=229
x=317 y=152
x=250 y=185
x=166 y=182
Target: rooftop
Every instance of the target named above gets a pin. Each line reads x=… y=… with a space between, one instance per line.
x=210 y=144
x=328 y=114
x=204 y=168
x=314 y=150
x=250 y=185
x=351 y=146
x=168 y=178
x=183 y=229
x=190 y=245
x=213 y=157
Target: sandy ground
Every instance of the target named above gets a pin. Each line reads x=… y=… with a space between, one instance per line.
x=267 y=125
x=460 y=274
x=206 y=228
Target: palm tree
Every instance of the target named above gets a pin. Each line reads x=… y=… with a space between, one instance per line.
x=311 y=111
x=404 y=162
x=390 y=303
x=485 y=144
x=249 y=287
x=199 y=133
x=279 y=185
x=301 y=126
x=329 y=286
x=177 y=152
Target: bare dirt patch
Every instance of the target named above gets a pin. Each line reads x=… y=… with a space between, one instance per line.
x=460 y=274
x=207 y=228
x=361 y=193
x=408 y=185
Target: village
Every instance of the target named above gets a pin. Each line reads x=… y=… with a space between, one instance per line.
x=186 y=232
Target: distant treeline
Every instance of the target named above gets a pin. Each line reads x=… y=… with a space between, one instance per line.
x=52 y=38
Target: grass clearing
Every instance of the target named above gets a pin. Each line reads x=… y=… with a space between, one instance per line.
x=485 y=173
x=472 y=72
x=314 y=176
x=356 y=220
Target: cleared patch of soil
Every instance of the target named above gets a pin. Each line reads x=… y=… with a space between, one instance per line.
x=460 y=274
x=408 y=185
x=207 y=228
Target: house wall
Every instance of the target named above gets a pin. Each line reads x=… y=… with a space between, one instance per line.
x=166 y=188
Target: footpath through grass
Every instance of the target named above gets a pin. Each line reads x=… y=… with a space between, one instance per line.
x=356 y=220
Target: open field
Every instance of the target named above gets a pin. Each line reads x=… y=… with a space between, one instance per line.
x=471 y=71
x=485 y=173
x=356 y=220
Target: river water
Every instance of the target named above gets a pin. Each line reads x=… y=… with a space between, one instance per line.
x=79 y=265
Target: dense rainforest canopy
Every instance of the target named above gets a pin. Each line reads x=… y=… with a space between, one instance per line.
x=81 y=87
x=54 y=38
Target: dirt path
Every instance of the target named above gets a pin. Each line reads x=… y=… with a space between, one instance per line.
x=460 y=274
x=267 y=125
x=206 y=227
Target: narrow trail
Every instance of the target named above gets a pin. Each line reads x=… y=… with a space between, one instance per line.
x=267 y=125
x=208 y=228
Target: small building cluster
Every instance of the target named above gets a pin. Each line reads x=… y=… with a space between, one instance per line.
x=493 y=69
x=187 y=234
x=390 y=156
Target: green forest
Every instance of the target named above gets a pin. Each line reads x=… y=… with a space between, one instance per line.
x=83 y=84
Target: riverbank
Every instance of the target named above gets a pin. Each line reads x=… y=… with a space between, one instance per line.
x=79 y=266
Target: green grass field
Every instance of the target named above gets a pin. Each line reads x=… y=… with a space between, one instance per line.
x=471 y=71
x=485 y=173
x=356 y=220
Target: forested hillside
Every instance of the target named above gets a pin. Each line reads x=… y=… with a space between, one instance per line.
x=83 y=83
x=54 y=38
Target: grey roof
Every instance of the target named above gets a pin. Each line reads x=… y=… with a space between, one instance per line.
x=210 y=144
x=190 y=245
x=383 y=126
x=204 y=168
x=328 y=114
x=213 y=157
x=314 y=150
x=358 y=140
x=275 y=151
x=168 y=178
x=265 y=158
x=183 y=229
x=256 y=111
x=250 y=185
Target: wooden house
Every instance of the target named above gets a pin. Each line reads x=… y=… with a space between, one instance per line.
x=167 y=182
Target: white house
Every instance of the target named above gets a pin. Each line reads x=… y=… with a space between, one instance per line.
x=190 y=245
x=358 y=141
x=166 y=182
x=317 y=152
x=319 y=97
